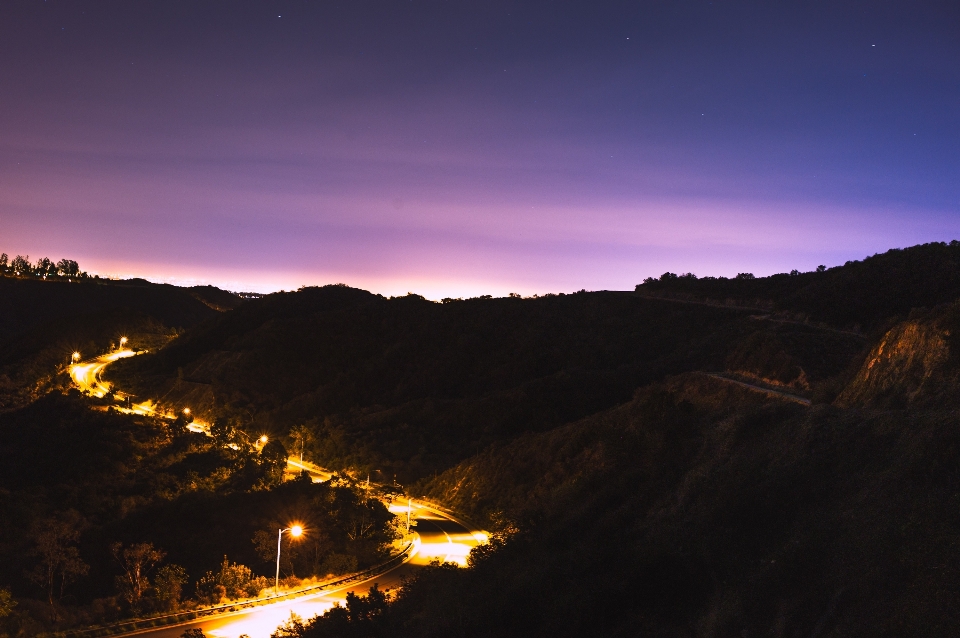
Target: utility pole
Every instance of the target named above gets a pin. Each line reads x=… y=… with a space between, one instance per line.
x=408 y=515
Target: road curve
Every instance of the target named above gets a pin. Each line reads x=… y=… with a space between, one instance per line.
x=87 y=374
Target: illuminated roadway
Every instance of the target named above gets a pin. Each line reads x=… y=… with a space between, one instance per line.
x=86 y=375
x=439 y=536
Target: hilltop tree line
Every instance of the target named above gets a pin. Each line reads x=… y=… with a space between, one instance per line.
x=864 y=295
x=44 y=267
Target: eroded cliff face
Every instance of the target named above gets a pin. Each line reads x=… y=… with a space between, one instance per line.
x=908 y=365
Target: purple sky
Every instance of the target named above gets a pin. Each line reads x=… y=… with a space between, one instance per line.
x=463 y=148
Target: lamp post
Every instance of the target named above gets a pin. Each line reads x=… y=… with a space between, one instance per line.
x=75 y=357
x=123 y=342
x=295 y=531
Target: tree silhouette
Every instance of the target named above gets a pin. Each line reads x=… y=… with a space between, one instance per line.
x=55 y=542
x=21 y=265
x=136 y=562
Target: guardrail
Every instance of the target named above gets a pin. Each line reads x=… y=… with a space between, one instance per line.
x=140 y=625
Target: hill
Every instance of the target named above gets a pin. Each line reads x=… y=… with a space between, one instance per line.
x=703 y=509
x=699 y=457
x=48 y=320
x=409 y=387
x=860 y=295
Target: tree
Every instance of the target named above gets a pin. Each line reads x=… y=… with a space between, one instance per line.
x=55 y=541
x=21 y=265
x=273 y=459
x=265 y=544
x=136 y=562
x=169 y=585
x=44 y=268
x=68 y=268
x=4 y=262
x=300 y=435
x=223 y=431
x=196 y=632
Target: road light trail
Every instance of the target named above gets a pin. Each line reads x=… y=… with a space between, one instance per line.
x=88 y=377
x=87 y=374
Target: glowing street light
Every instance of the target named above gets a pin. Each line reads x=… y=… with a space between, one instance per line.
x=264 y=439
x=186 y=411
x=123 y=342
x=75 y=357
x=295 y=531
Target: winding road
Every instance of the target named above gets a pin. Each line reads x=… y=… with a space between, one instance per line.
x=438 y=536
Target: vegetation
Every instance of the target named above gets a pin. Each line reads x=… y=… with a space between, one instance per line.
x=45 y=267
x=105 y=515
x=860 y=295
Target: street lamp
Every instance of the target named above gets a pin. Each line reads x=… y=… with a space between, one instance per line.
x=295 y=531
x=75 y=357
x=123 y=342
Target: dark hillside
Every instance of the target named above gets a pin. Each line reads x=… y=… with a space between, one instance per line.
x=859 y=295
x=35 y=304
x=45 y=321
x=219 y=300
x=117 y=477
x=700 y=509
x=409 y=387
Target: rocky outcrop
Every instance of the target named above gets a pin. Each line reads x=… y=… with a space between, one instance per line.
x=908 y=365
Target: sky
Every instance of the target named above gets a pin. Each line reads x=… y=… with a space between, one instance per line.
x=463 y=148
